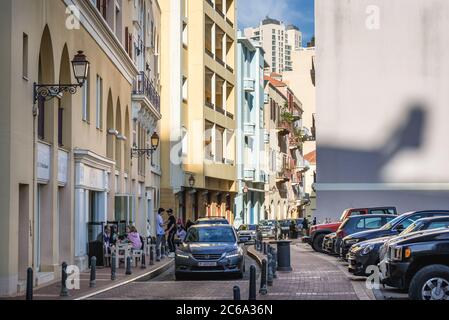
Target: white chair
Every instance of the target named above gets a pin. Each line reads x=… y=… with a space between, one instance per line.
x=122 y=251
x=137 y=256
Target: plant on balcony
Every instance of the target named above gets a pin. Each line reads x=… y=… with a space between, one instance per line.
x=286 y=115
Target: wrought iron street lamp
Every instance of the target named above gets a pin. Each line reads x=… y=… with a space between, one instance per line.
x=136 y=152
x=192 y=181
x=47 y=92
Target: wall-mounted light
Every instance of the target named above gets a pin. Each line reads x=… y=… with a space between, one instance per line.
x=135 y=151
x=47 y=92
x=192 y=181
x=113 y=132
x=122 y=137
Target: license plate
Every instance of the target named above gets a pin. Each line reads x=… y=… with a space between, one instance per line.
x=207 y=264
x=244 y=239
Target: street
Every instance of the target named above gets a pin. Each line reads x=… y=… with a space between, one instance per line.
x=164 y=287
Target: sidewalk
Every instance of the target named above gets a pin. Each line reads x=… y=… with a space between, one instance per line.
x=103 y=282
x=314 y=277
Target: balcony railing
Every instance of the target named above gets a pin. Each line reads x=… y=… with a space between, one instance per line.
x=220 y=61
x=220 y=12
x=284 y=127
x=230 y=68
x=230 y=22
x=229 y=115
x=210 y=3
x=249 y=84
x=220 y=110
x=142 y=86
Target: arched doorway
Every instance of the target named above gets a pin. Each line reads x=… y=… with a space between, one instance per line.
x=43 y=216
x=63 y=200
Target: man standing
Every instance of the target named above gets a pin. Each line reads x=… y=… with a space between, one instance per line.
x=159 y=233
x=171 y=232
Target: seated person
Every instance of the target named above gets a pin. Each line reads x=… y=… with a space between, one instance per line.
x=134 y=238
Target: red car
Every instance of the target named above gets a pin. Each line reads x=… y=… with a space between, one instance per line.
x=318 y=232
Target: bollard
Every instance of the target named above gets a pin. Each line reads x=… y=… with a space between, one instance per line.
x=275 y=263
x=237 y=293
x=255 y=244
x=270 y=267
x=264 y=248
x=93 y=272
x=113 y=266
x=64 y=291
x=162 y=251
x=283 y=255
x=128 y=266
x=263 y=278
x=252 y=283
x=152 y=254
x=144 y=264
x=29 y=293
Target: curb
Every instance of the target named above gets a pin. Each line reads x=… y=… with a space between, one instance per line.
x=255 y=257
x=144 y=277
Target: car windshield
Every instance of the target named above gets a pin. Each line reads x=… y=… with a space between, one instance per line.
x=392 y=223
x=210 y=234
x=410 y=229
x=285 y=223
x=267 y=223
x=247 y=227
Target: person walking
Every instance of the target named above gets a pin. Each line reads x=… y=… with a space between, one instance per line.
x=159 y=233
x=305 y=226
x=171 y=232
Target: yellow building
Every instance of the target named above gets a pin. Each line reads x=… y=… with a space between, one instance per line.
x=198 y=104
x=66 y=163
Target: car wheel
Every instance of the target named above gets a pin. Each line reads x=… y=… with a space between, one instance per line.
x=430 y=283
x=317 y=244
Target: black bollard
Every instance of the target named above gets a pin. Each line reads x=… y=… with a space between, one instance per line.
x=270 y=267
x=252 y=283
x=93 y=272
x=128 y=266
x=284 y=256
x=275 y=263
x=29 y=293
x=151 y=254
x=144 y=264
x=263 y=278
x=264 y=248
x=64 y=291
x=113 y=266
x=237 y=293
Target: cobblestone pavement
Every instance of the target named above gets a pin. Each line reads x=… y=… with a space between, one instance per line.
x=315 y=277
x=164 y=287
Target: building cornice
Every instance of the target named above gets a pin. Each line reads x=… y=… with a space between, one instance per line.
x=100 y=31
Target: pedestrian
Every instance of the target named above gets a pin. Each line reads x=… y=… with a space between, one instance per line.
x=189 y=224
x=159 y=233
x=314 y=221
x=181 y=233
x=305 y=226
x=171 y=232
x=293 y=230
x=113 y=237
x=134 y=238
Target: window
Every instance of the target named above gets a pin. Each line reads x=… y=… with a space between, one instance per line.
x=99 y=107
x=370 y=223
x=25 y=56
x=184 y=34
x=86 y=104
x=184 y=88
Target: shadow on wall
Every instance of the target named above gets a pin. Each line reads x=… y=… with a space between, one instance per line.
x=340 y=165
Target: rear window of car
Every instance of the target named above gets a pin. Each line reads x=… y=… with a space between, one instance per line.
x=356 y=213
x=370 y=223
x=436 y=225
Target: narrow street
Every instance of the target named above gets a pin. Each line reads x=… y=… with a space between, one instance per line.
x=164 y=287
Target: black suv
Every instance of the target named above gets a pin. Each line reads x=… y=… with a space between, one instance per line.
x=367 y=253
x=419 y=264
x=394 y=227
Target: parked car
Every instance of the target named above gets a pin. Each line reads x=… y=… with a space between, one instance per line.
x=318 y=232
x=394 y=227
x=210 y=249
x=367 y=253
x=212 y=220
x=269 y=229
x=329 y=243
x=356 y=224
x=247 y=232
x=419 y=264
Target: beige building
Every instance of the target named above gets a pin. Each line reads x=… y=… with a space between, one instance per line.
x=198 y=103
x=66 y=162
x=302 y=82
x=279 y=42
x=284 y=196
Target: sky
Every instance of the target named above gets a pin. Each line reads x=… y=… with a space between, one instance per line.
x=298 y=12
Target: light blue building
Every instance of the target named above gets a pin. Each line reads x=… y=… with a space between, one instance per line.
x=249 y=204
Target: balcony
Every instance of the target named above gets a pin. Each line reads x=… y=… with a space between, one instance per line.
x=266 y=137
x=284 y=127
x=142 y=87
x=266 y=98
x=249 y=174
x=230 y=69
x=302 y=166
x=249 y=129
x=249 y=85
x=294 y=142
